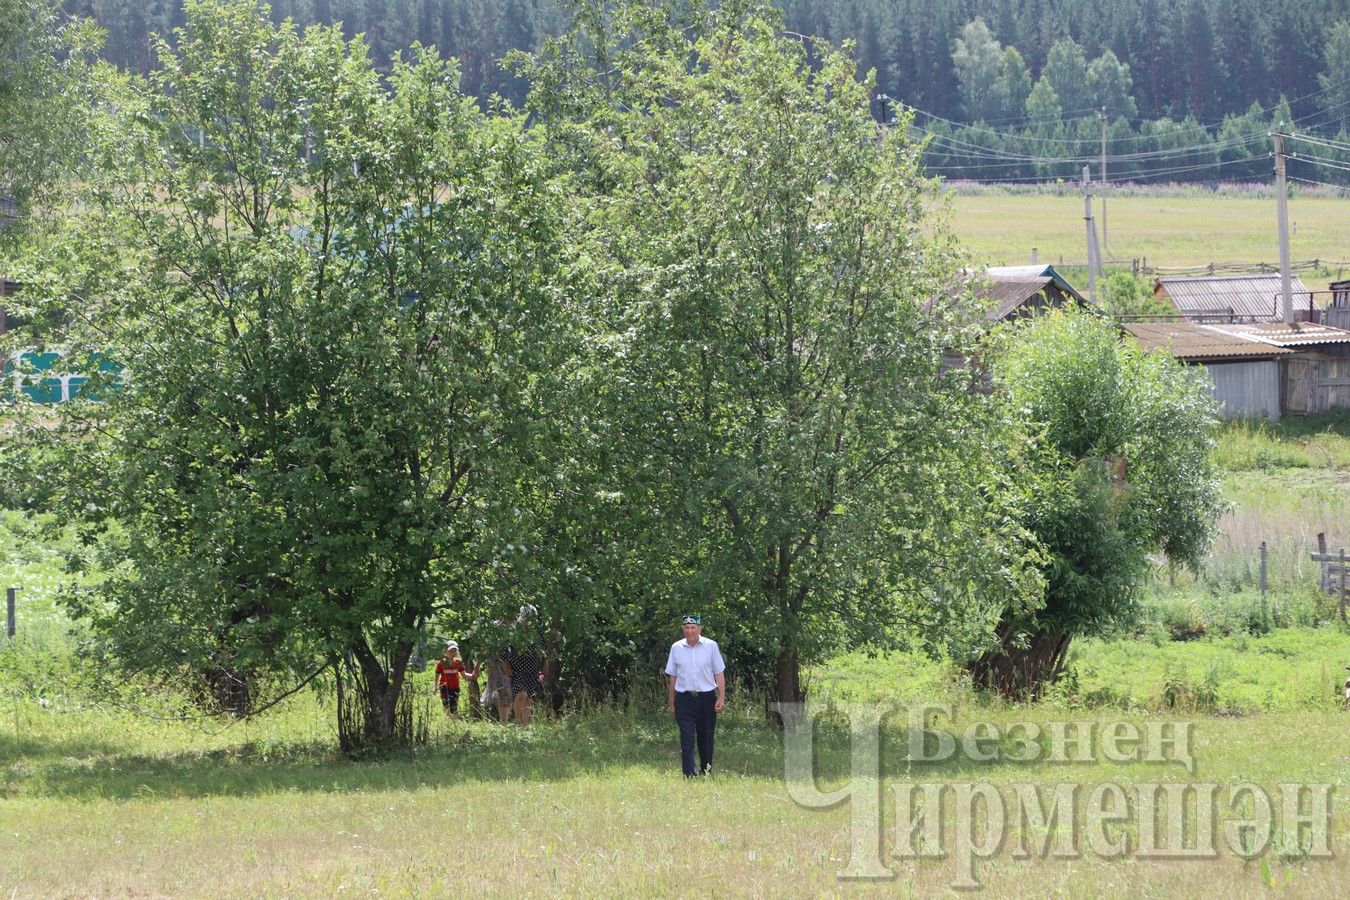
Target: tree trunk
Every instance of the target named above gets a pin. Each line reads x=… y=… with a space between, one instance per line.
x=373 y=714
x=1022 y=673
x=230 y=690
x=553 y=697
x=788 y=676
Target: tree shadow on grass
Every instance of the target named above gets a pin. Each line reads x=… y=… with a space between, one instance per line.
x=576 y=747
x=579 y=746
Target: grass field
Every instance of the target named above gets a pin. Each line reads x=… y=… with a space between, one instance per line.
x=1169 y=231
x=591 y=803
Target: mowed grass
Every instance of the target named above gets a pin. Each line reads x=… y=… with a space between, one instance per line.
x=1169 y=231
x=96 y=800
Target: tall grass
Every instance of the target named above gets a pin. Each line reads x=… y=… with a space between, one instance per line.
x=1298 y=443
x=35 y=557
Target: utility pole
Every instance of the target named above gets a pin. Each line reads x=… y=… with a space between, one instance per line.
x=1282 y=213
x=1101 y=117
x=885 y=102
x=1091 y=236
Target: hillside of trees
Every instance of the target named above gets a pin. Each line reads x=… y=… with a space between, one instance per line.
x=1010 y=89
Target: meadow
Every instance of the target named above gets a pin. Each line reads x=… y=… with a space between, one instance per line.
x=591 y=803
x=113 y=792
x=1187 y=230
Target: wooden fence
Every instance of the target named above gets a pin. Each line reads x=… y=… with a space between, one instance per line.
x=1335 y=570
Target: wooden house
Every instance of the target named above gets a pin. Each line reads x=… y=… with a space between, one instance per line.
x=1018 y=291
x=1260 y=370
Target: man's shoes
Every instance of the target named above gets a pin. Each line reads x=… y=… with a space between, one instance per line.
x=707 y=770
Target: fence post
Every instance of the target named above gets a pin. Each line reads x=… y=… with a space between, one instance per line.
x=10 y=622
x=1263 y=568
x=1342 y=584
x=1323 y=569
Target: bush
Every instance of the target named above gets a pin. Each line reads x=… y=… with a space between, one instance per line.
x=1124 y=294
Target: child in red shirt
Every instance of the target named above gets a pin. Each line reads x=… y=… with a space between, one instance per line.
x=448 y=670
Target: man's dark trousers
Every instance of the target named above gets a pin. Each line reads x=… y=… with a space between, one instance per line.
x=697 y=719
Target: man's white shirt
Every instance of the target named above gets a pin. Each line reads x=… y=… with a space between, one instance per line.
x=695 y=666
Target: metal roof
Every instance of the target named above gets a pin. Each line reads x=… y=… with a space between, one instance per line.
x=1299 y=334
x=1195 y=342
x=1007 y=294
x=1250 y=296
x=1015 y=273
x=1008 y=287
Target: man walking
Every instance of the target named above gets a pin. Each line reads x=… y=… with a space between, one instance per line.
x=698 y=692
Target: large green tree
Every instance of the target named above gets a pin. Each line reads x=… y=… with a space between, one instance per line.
x=1066 y=70
x=337 y=298
x=1121 y=471
x=792 y=452
x=979 y=63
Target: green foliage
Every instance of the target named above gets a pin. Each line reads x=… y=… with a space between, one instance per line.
x=1126 y=470
x=1043 y=104
x=44 y=64
x=1124 y=294
x=338 y=298
x=1066 y=71
x=1335 y=82
x=785 y=443
x=979 y=63
x=1189 y=614
x=1111 y=86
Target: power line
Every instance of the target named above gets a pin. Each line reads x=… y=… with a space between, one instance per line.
x=1339 y=187
x=1122 y=179
x=1320 y=141
x=975 y=151
x=1178 y=169
x=1319 y=161
x=968 y=126
x=1068 y=115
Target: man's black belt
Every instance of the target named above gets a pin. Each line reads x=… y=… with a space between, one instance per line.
x=697 y=693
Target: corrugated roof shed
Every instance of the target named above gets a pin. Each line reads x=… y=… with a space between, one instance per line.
x=1299 y=334
x=1253 y=297
x=1194 y=342
x=1015 y=273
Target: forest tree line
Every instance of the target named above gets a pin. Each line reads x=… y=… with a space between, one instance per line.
x=1205 y=58
x=1190 y=89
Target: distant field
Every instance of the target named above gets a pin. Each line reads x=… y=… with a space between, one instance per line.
x=1169 y=231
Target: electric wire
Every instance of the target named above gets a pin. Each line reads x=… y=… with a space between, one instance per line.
x=1319 y=161
x=1322 y=142
x=1133 y=138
